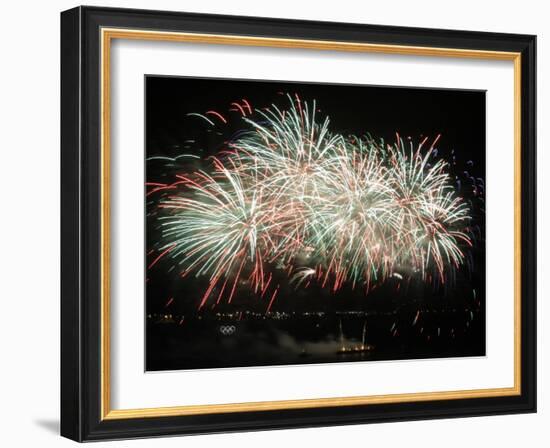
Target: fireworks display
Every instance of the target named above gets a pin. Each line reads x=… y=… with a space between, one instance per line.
x=299 y=223
x=288 y=195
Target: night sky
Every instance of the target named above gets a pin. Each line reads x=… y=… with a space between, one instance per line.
x=458 y=115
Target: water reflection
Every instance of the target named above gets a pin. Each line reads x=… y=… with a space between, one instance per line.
x=253 y=339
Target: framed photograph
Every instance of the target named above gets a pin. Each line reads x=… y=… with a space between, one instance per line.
x=273 y=224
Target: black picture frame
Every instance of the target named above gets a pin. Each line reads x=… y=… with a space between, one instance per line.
x=82 y=413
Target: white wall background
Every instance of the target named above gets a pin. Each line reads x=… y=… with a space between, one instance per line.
x=29 y=223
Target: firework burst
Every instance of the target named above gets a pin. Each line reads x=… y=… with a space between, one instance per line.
x=289 y=195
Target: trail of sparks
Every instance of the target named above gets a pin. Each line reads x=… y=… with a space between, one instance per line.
x=163 y=253
x=217 y=114
x=272 y=300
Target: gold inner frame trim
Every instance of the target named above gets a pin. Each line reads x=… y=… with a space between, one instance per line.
x=107 y=35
